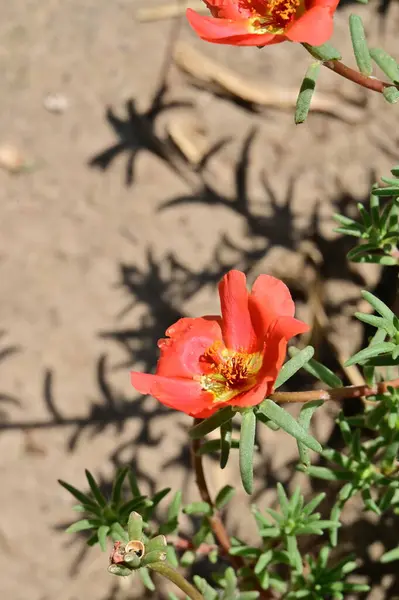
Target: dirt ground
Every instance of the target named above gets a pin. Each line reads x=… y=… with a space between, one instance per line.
x=107 y=238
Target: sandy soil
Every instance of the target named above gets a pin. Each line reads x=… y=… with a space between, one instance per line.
x=94 y=267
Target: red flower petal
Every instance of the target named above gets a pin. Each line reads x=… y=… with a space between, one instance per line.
x=275 y=294
x=314 y=27
x=252 y=397
x=287 y=327
x=228 y=9
x=228 y=31
x=238 y=332
x=189 y=338
x=181 y=394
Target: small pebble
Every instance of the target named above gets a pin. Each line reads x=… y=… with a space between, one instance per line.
x=56 y=103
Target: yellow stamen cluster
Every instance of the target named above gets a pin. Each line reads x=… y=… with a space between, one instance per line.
x=229 y=372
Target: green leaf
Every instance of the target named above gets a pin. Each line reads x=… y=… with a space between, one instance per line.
x=304 y=419
x=359 y=44
x=225 y=442
x=80 y=508
x=359 y=251
x=270 y=532
x=313 y=504
x=119 y=570
x=287 y=422
x=213 y=446
x=202 y=533
x=335 y=514
x=248 y=596
x=387 y=191
x=118 y=533
x=246 y=450
x=83 y=498
x=282 y=499
x=386 y=63
x=213 y=422
x=118 y=483
x=293 y=553
x=159 y=496
x=224 y=496
x=390 y=556
x=146 y=579
x=391 y=94
x=346 y=221
x=306 y=93
x=355 y=231
x=263 y=561
x=156 y=544
x=293 y=365
x=102 y=533
x=378 y=322
x=371 y=352
x=324 y=52
x=95 y=489
x=133 y=483
x=187 y=559
x=135 y=526
x=205 y=589
x=245 y=551
x=198 y=508
x=319 y=371
x=81 y=525
x=326 y=473
x=171 y=556
x=133 y=504
x=174 y=507
x=155 y=556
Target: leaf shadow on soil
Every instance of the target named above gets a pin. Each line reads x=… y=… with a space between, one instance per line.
x=7 y=400
x=136 y=133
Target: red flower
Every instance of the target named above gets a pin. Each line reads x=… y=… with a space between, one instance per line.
x=264 y=22
x=210 y=362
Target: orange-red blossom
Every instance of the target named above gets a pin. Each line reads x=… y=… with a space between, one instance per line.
x=264 y=22
x=210 y=362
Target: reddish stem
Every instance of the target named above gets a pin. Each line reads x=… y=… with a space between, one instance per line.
x=371 y=83
x=352 y=391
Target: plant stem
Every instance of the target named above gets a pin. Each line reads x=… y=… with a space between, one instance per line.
x=352 y=391
x=170 y=573
x=371 y=83
x=215 y=521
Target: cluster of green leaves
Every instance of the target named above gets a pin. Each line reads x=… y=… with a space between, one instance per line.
x=369 y=465
x=378 y=227
x=277 y=563
x=108 y=518
x=364 y=58
x=383 y=347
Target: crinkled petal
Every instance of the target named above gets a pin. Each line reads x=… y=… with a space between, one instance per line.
x=188 y=340
x=228 y=31
x=314 y=27
x=181 y=394
x=238 y=332
x=273 y=294
x=228 y=9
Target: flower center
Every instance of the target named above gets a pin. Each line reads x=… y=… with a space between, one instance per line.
x=228 y=372
x=274 y=16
